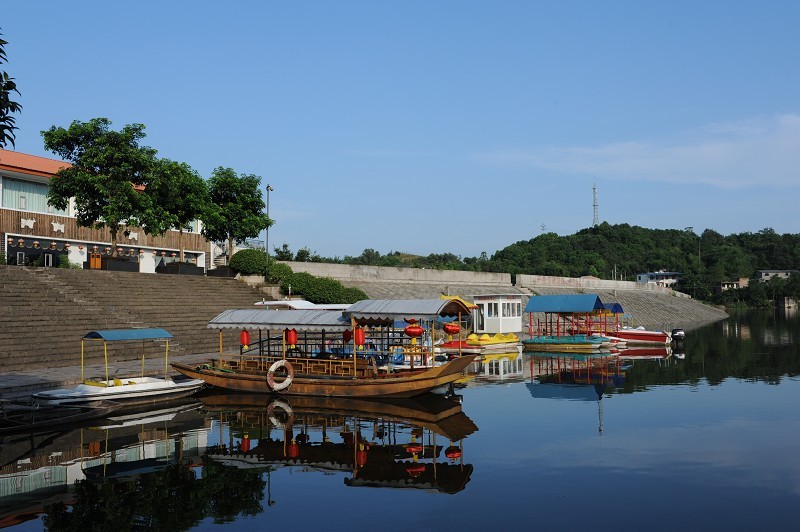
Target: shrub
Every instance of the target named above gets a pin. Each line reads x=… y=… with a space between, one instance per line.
x=321 y=289
x=277 y=272
x=249 y=262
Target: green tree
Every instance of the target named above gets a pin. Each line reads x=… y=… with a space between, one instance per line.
x=179 y=198
x=283 y=252
x=109 y=171
x=236 y=209
x=7 y=106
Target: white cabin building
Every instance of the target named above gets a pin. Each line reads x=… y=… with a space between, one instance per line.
x=497 y=313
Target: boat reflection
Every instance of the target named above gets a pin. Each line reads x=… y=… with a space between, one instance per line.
x=43 y=472
x=396 y=444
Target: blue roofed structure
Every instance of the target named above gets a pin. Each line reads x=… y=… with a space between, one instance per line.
x=565 y=303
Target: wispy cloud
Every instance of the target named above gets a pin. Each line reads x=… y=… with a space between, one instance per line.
x=758 y=152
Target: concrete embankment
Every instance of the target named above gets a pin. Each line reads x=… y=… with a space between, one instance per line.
x=647 y=305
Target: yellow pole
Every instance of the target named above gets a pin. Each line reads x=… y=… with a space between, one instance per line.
x=83 y=342
x=105 y=356
x=166 y=361
x=142 y=358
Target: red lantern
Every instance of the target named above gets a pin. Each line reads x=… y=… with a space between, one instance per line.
x=10 y=241
x=66 y=246
x=36 y=243
x=246 y=443
x=410 y=320
x=361 y=455
x=360 y=336
x=415 y=470
x=291 y=337
x=244 y=338
x=452 y=452
x=451 y=328
x=294 y=450
x=414 y=331
x=80 y=248
x=347 y=335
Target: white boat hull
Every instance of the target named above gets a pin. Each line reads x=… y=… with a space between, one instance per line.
x=129 y=390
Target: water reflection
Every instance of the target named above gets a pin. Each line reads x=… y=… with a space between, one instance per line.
x=173 y=467
x=397 y=444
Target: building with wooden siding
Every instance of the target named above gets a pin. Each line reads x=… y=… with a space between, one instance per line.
x=34 y=233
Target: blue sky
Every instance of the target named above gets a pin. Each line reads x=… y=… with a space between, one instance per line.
x=441 y=126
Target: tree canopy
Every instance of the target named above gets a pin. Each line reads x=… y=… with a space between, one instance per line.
x=7 y=106
x=109 y=172
x=236 y=207
x=179 y=198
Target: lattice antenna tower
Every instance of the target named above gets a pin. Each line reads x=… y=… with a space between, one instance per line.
x=596 y=220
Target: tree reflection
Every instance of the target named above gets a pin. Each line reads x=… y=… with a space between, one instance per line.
x=169 y=499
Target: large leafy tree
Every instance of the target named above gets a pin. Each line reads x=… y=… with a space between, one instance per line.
x=236 y=209
x=7 y=106
x=179 y=197
x=108 y=174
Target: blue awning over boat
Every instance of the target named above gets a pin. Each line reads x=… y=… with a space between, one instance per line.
x=564 y=303
x=114 y=335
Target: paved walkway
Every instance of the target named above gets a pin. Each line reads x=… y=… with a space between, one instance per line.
x=21 y=384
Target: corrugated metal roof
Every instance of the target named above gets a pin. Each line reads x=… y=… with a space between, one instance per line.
x=300 y=320
x=564 y=303
x=392 y=309
x=113 y=335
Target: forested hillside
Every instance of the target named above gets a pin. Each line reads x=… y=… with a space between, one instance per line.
x=620 y=252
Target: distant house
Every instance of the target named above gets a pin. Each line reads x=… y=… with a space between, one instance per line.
x=741 y=282
x=659 y=278
x=766 y=275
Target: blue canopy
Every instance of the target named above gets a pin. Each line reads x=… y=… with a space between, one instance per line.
x=613 y=308
x=113 y=335
x=564 y=303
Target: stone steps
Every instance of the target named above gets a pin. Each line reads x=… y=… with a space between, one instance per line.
x=46 y=312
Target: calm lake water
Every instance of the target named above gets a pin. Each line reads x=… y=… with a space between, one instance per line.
x=706 y=435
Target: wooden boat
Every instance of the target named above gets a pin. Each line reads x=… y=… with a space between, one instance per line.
x=304 y=380
x=17 y=418
x=354 y=372
x=387 y=444
x=131 y=390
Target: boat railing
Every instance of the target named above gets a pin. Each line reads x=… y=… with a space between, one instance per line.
x=337 y=362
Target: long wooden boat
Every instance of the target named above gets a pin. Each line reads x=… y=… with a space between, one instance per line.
x=316 y=363
x=406 y=383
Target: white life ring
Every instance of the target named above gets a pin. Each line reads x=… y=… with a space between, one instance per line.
x=271 y=375
x=274 y=420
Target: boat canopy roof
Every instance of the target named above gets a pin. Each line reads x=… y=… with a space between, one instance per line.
x=114 y=335
x=300 y=320
x=388 y=310
x=565 y=303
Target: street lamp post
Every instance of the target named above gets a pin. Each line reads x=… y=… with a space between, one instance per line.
x=266 y=239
